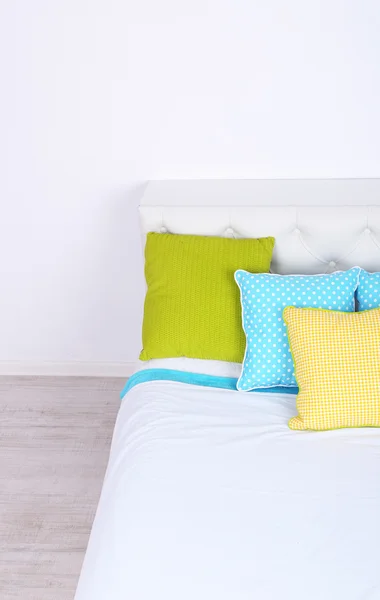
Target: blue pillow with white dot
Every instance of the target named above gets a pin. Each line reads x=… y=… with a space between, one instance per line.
x=368 y=294
x=268 y=361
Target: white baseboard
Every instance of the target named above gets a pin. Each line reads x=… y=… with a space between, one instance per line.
x=67 y=369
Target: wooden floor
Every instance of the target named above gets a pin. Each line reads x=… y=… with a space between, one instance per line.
x=55 y=435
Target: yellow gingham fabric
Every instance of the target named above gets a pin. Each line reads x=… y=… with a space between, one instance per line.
x=337 y=367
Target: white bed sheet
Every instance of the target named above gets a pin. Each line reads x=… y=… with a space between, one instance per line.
x=218 y=368
x=209 y=495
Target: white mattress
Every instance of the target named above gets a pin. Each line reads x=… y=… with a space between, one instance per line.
x=210 y=496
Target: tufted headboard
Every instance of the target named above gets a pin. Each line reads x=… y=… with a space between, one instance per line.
x=320 y=226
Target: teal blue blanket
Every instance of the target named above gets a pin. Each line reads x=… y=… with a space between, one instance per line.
x=225 y=383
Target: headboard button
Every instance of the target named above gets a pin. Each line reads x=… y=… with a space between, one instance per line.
x=332 y=264
x=163 y=230
x=229 y=231
x=367 y=231
x=297 y=231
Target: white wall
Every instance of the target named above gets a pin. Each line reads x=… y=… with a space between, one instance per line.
x=98 y=96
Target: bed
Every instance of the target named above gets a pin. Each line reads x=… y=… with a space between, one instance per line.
x=208 y=493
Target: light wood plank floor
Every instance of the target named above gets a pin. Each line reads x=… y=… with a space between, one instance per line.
x=55 y=435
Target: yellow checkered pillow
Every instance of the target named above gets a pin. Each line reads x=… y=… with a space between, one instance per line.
x=337 y=367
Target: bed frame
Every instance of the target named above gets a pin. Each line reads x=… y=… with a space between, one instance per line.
x=320 y=225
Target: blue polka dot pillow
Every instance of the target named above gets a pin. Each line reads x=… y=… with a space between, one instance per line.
x=267 y=361
x=368 y=293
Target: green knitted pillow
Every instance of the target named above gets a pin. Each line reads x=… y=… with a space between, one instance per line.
x=192 y=306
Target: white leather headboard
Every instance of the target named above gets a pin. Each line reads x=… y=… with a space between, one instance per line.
x=320 y=226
